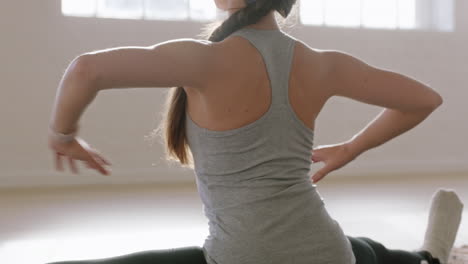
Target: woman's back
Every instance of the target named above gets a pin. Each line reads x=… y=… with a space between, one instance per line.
x=253 y=169
x=239 y=91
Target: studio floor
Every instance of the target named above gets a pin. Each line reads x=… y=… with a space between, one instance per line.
x=39 y=225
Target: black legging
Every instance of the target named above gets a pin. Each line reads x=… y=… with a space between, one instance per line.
x=366 y=250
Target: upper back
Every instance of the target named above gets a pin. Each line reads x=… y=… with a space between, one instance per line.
x=239 y=91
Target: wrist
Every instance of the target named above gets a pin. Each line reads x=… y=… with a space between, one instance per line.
x=353 y=147
x=63 y=130
x=66 y=137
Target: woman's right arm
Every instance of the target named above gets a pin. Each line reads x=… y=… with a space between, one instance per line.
x=407 y=102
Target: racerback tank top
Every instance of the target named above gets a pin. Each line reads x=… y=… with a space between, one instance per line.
x=254 y=182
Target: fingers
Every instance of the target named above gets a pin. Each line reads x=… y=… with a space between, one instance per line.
x=58 y=162
x=101 y=158
x=315 y=159
x=95 y=161
x=80 y=150
x=322 y=173
x=316 y=178
x=99 y=167
x=316 y=156
x=73 y=167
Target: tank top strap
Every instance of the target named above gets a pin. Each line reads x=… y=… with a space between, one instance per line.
x=276 y=48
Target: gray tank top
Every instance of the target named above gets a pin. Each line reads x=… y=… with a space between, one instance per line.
x=254 y=182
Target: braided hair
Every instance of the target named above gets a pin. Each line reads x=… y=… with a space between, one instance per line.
x=173 y=125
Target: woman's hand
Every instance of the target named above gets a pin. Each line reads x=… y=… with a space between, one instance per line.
x=334 y=156
x=77 y=149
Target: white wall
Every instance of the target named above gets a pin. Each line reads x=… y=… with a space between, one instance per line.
x=38 y=43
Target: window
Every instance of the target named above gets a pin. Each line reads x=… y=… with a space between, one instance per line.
x=386 y=14
x=202 y=10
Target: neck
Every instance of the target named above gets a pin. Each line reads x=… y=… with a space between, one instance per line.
x=267 y=22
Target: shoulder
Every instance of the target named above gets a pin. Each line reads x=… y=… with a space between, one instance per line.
x=310 y=59
x=197 y=57
x=187 y=45
x=328 y=62
x=201 y=50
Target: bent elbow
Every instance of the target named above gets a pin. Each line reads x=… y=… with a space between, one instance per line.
x=438 y=101
x=83 y=68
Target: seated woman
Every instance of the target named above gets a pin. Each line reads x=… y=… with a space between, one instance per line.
x=242 y=115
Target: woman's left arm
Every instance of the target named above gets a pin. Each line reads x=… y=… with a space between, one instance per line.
x=181 y=62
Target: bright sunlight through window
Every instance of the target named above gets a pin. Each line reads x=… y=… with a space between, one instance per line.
x=202 y=10
x=383 y=14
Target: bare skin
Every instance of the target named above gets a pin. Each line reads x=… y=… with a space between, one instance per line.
x=227 y=87
x=246 y=94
